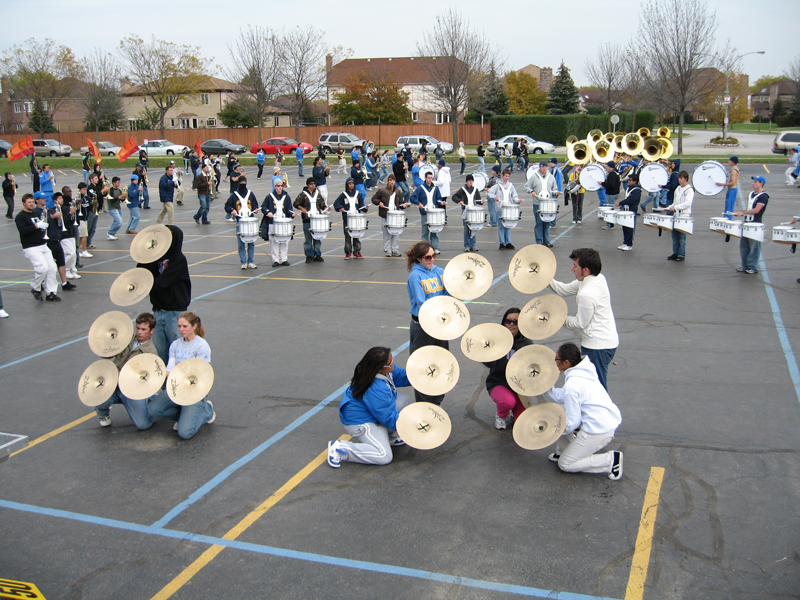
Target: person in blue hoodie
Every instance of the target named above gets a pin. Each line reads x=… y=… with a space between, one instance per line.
x=134 y=199
x=299 y=153
x=369 y=410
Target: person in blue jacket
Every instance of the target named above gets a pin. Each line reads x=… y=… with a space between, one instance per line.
x=299 y=153
x=369 y=410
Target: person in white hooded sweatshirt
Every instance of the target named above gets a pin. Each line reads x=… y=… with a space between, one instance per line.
x=592 y=417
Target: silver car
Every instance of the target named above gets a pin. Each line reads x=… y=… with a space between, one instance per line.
x=534 y=146
x=330 y=141
x=415 y=143
x=48 y=147
x=162 y=148
x=105 y=148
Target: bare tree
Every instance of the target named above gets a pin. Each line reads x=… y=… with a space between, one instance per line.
x=793 y=73
x=608 y=71
x=165 y=72
x=101 y=98
x=680 y=44
x=45 y=75
x=256 y=70
x=456 y=59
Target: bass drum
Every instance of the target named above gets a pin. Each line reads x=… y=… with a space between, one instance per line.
x=428 y=169
x=479 y=181
x=592 y=177
x=653 y=175
x=706 y=176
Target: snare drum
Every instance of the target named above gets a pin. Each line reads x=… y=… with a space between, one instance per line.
x=683 y=224
x=509 y=214
x=779 y=234
x=248 y=229
x=626 y=218
x=793 y=236
x=653 y=175
x=592 y=176
x=650 y=220
x=282 y=230
x=476 y=217
x=356 y=225
x=320 y=226
x=753 y=231
x=716 y=224
x=706 y=176
x=658 y=221
x=733 y=228
x=548 y=210
x=437 y=217
x=395 y=221
x=610 y=215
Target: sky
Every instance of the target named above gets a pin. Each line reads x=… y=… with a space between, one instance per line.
x=536 y=31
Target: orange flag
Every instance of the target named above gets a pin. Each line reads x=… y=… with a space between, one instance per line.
x=198 y=148
x=21 y=148
x=95 y=151
x=128 y=148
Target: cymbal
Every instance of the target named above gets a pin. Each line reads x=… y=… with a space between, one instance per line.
x=444 y=317
x=130 y=287
x=468 y=276
x=98 y=382
x=432 y=370
x=110 y=333
x=190 y=381
x=542 y=316
x=151 y=243
x=540 y=425
x=423 y=425
x=487 y=342
x=532 y=268
x=142 y=376
x=532 y=370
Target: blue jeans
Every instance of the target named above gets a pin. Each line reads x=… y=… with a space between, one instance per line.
x=601 y=196
x=300 y=168
x=651 y=197
x=91 y=227
x=510 y=162
x=137 y=409
x=427 y=234
x=190 y=418
x=205 y=203
x=384 y=173
x=146 y=196
x=750 y=251
x=730 y=203
x=311 y=247
x=166 y=331
x=482 y=168
x=503 y=233
x=662 y=197
x=404 y=189
x=679 y=243
x=134 y=222
x=600 y=359
x=246 y=251
x=463 y=165
x=370 y=179
x=627 y=233
x=542 y=228
x=116 y=214
x=492 y=213
x=470 y=241
x=86 y=177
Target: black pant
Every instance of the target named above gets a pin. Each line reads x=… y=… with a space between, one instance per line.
x=351 y=244
x=10 y=202
x=577 y=205
x=419 y=339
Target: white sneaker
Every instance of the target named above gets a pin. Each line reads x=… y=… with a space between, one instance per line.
x=74 y=275
x=213 y=413
x=3 y=314
x=244 y=266
x=252 y=266
x=105 y=421
x=437 y=251
x=499 y=422
x=70 y=275
x=85 y=254
x=625 y=247
x=112 y=237
x=175 y=427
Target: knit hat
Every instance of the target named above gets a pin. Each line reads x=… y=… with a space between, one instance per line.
x=734 y=160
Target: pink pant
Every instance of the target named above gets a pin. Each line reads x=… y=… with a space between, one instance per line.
x=507 y=401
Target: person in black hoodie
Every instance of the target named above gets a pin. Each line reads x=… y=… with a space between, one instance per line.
x=9 y=191
x=672 y=185
x=611 y=185
x=171 y=292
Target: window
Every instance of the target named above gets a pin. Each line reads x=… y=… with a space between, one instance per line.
x=17 y=107
x=414 y=117
x=172 y=122
x=204 y=99
x=211 y=122
x=442 y=118
x=184 y=123
x=20 y=126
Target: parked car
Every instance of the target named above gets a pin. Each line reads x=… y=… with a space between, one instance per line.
x=284 y=143
x=784 y=141
x=105 y=148
x=415 y=143
x=161 y=148
x=534 y=146
x=4 y=148
x=221 y=146
x=48 y=147
x=331 y=141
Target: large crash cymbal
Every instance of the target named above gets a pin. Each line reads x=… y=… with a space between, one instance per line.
x=110 y=333
x=444 y=317
x=468 y=276
x=142 y=376
x=540 y=425
x=190 y=381
x=432 y=370
x=151 y=243
x=131 y=287
x=487 y=342
x=532 y=370
x=532 y=269
x=542 y=316
x=423 y=425
x=98 y=382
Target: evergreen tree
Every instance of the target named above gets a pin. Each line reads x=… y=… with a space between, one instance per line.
x=564 y=97
x=40 y=121
x=492 y=100
x=777 y=109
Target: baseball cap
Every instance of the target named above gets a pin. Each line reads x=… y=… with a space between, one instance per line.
x=759 y=178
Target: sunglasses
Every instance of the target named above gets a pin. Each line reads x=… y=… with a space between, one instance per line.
x=510 y=322
x=429 y=256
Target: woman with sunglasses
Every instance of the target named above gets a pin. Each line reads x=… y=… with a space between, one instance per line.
x=508 y=403
x=369 y=410
x=424 y=281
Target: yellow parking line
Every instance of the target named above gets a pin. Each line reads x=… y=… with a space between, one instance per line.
x=765 y=168
x=644 y=539
x=173 y=586
x=55 y=432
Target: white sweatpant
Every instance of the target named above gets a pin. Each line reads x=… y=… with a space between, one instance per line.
x=788 y=173
x=578 y=452
x=370 y=444
x=68 y=246
x=44 y=268
x=391 y=243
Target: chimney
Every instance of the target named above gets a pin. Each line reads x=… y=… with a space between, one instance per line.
x=328 y=62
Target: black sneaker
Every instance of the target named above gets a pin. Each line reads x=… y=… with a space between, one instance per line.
x=502 y=246
x=51 y=297
x=68 y=286
x=180 y=203
x=672 y=257
x=37 y=294
x=276 y=264
x=309 y=259
x=616 y=467
x=196 y=220
x=680 y=258
x=549 y=245
x=510 y=247
x=319 y=259
x=286 y=263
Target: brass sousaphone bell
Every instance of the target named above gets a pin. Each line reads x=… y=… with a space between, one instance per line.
x=579 y=153
x=632 y=144
x=602 y=151
x=653 y=149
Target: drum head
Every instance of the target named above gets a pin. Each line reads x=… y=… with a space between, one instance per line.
x=428 y=169
x=479 y=181
x=706 y=176
x=531 y=171
x=592 y=176
x=653 y=175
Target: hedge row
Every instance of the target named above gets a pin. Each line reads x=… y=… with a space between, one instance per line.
x=557 y=128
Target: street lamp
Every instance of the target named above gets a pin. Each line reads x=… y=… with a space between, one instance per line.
x=727 y=94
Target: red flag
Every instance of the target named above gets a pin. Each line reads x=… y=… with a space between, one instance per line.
x=94 y=150
x=21 y=148
x=128 y=148
x=198 y=148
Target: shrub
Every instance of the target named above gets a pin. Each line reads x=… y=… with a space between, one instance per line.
x=555 y=129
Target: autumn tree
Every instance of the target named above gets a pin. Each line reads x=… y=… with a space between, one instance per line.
x=43 y=74
x=793 y=73
x=764 y=81
x=524 y=95
x=564 y=98
x=712 y=105
x=100 y=95
x=165 y=72
x=371 y=98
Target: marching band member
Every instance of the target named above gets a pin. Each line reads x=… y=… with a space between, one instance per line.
x=592 y=418
x=427 y=196
x=631 y=202
x=424 y=281
x=682 y=205
x=278 y=204
x=243 y=203
x=610 y=188
x=504 y=191
x=32 y=237
x=389 y=198
x=576 y=193
x=350 y=201
x=369 y=410
x=311 y=201
x=750 y=250
x=541 y=185
x=443 y=180
x=320 y=171
x=733 y=186
x=53 y=217
x=134 y=198
x=465 y=197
